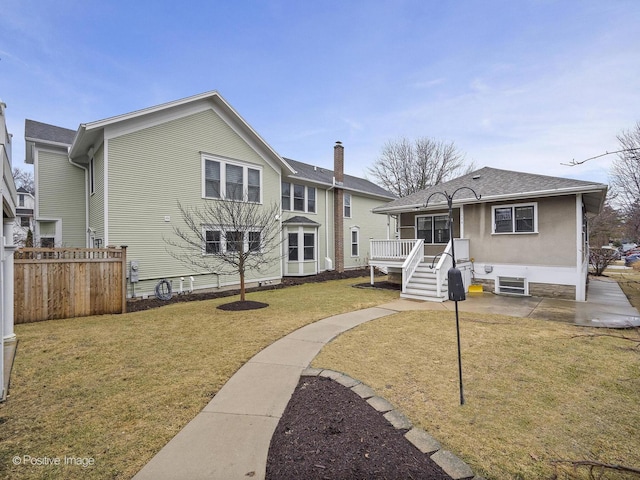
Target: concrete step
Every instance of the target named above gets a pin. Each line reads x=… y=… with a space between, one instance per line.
x=423 y=297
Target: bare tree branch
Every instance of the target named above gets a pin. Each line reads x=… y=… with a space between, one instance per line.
x=573 y=162
x=227 y=237
x=405 y=167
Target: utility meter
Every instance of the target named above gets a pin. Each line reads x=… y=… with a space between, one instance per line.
x=134 y=273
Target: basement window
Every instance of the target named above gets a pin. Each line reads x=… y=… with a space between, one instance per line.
x=513 y=285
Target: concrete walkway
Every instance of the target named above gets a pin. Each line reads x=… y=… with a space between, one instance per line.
x=230 y=438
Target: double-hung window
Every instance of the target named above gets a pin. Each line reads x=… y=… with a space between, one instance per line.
x=309 y=246
x=293 y=247
x=253 y=185
x=230 y=180
x=212 y=242
x=218 y=241
x=433 y=228
x=347 y=205
x=521 y=218
x=234 y=176
x=298 y=198
x=355 y=242
x=255 y=241
x=286 y=196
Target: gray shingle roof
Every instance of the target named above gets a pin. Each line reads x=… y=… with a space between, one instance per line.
x=325 y=176
x=298 y=219
x=494 y=184
x=48 y=133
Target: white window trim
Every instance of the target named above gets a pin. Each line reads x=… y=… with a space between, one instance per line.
x=223 y=239
x=300 y=232
x=357 y=242
x=513 y=218
x=306 y=198
x=344 y=205
x=223 y=180
x=519 y=291
x=432 y=216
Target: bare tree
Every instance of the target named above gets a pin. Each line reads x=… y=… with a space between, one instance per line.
x=405 y=167
x=605 y=226
x=24 y=178
x=228 y=237
x=625 y=178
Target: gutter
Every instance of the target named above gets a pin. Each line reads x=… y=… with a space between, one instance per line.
x=510 y=196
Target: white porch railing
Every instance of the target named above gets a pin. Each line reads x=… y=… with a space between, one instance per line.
x=442 y=268
x=392 y=249
x=414 y=259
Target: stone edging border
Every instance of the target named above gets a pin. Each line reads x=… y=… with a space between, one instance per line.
x=451 y=464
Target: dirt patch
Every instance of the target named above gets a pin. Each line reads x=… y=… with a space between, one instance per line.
x=134 y=305
x=328 y=432
x=242 y=305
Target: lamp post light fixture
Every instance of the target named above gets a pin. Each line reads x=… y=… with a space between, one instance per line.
x=455 y=284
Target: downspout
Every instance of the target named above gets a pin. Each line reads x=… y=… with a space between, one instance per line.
x=581 y=244
x=86 y=202
x=326 y=228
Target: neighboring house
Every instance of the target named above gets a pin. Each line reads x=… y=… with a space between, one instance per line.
x=24 y=216
x=118 y=182
x=526 y=235
x=8 y=190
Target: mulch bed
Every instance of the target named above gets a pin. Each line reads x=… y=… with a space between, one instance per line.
x=328 y=432
x=134 y=305
x=242 y=305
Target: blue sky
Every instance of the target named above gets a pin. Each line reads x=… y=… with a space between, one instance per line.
x=521 y=85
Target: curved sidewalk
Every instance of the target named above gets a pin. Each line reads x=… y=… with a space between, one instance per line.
x=230 y=438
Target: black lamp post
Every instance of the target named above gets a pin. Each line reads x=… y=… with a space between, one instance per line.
x=455 y=285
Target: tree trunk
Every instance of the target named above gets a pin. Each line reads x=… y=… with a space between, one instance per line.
x=242 y=286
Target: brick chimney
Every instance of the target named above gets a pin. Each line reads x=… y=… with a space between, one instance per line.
x=338 y=205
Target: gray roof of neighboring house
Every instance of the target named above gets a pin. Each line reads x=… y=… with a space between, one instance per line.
x=47 y=133
x=493 y=184
x=324 y=176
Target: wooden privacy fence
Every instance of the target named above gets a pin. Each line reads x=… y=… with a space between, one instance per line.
x=52 y=283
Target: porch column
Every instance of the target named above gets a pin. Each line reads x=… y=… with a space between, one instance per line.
x=7 y=282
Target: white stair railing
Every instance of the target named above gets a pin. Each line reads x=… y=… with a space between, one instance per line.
x=414 y=259
x=442 y=268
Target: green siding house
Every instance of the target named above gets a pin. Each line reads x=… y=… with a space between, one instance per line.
x=118 y=181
